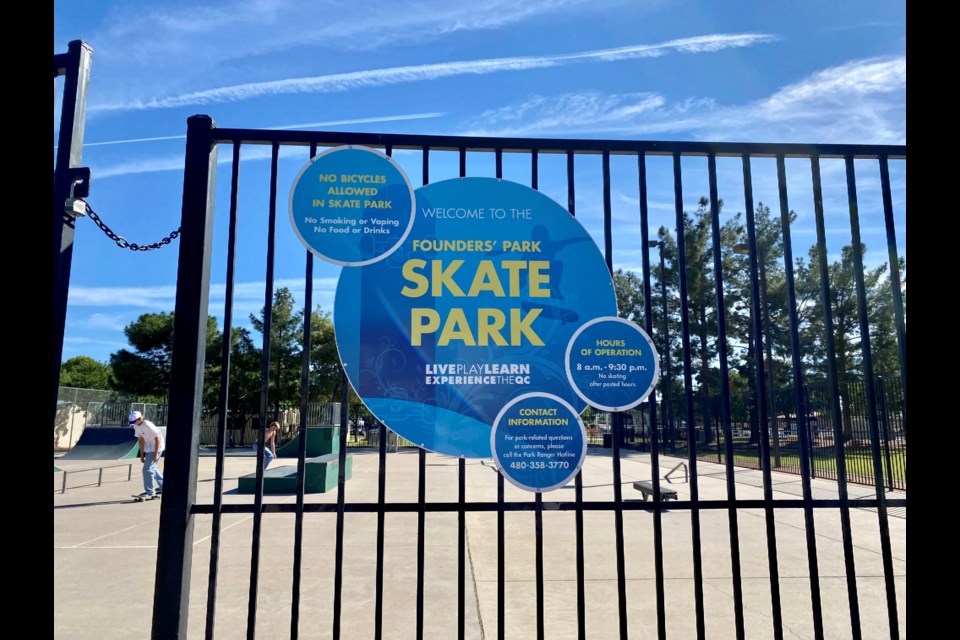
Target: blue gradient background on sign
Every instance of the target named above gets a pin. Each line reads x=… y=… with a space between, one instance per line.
x=350 y=248
x=372 y=318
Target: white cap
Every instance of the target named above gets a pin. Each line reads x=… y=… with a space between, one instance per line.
x=136 y=415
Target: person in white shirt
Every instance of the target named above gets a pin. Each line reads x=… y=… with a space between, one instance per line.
x=151 y=447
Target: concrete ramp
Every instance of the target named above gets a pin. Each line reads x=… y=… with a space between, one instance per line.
x=106 y=443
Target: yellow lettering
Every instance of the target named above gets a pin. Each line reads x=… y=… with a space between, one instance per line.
x=410 y=273
x=456 y=327
x=489 y=322
x=518 y=327
x=422 y=321
x=539 y=278
x=486 y=279
x=443 y=277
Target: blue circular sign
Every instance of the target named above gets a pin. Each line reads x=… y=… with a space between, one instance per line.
x=612 y=364
x=351 y=205
x=474 y=309
x=538 y=442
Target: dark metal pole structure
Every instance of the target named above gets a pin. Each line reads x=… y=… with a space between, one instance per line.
x=175 y=544
x=69 y=180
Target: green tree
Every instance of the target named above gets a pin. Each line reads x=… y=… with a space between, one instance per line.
x=244 y=388
x=145 y=371
x=286 y=347
x=774 y=320
x=629 y=289
x=846 y=321
x=286 y=353
x=324 y=359
x=83 y=372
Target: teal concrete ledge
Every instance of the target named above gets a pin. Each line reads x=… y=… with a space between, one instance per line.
x=320 y=441
x=321 y=474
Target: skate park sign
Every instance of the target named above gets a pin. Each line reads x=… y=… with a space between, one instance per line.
x=474 y=309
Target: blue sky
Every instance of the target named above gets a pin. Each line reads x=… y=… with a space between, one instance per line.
x=814 y=72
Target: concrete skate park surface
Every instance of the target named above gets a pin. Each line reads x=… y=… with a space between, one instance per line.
x=105 y=558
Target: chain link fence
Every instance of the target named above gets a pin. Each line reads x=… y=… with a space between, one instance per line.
x=76 y=410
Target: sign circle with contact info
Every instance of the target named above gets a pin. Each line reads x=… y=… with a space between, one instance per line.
x=538 y=442
x=475 y=308
x=612 y=364
x=351 y=205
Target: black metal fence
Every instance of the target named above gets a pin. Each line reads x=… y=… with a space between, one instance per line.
x=181 y=507
x=784 y=440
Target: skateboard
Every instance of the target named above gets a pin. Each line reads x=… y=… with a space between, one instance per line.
x=145 y=498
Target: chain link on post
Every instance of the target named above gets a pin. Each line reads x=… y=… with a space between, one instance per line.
x=120 y=240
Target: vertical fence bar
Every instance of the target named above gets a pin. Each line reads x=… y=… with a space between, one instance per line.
x=578 y=479
x=882 y=402
x=895 y=284
x=461 y=545
x=264 y=395
x=725 y=399
x=175 y=541
x=617 y=426
x=758 y=341
x=341 y=498
x=381 y=500
x=871 y=400
x=688 y=389
x=501 y=562
x=654 y=439
x=538 y=536
x=75 y=67
x=501 y=542
x=461 y=503
x=421 y=531
x=801 y=406
x=422 y=472
x=302 y=434
x=223 y=401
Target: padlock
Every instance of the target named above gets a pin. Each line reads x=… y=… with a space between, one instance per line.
x=75 y=207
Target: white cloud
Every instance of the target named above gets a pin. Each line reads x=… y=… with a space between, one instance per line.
x=863 y=101
x=109 y=321
x=339 y=82
x=308 y=125
x=241 y=28
x=248 y=297
x=174 y=162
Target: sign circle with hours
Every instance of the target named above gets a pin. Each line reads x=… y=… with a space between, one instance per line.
x=612 y=364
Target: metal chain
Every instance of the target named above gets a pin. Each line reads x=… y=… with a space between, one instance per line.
x=121 y=241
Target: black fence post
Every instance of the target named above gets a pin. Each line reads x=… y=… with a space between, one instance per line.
x=74 y=66
x=171 y=599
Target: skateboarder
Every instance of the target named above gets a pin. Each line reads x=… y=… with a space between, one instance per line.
x=270 y=451
x=151 y=446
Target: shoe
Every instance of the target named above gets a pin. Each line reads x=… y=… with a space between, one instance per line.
x=159 y=491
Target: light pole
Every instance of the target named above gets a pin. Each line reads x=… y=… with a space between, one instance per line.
x=666 y=340
x=744 y=249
